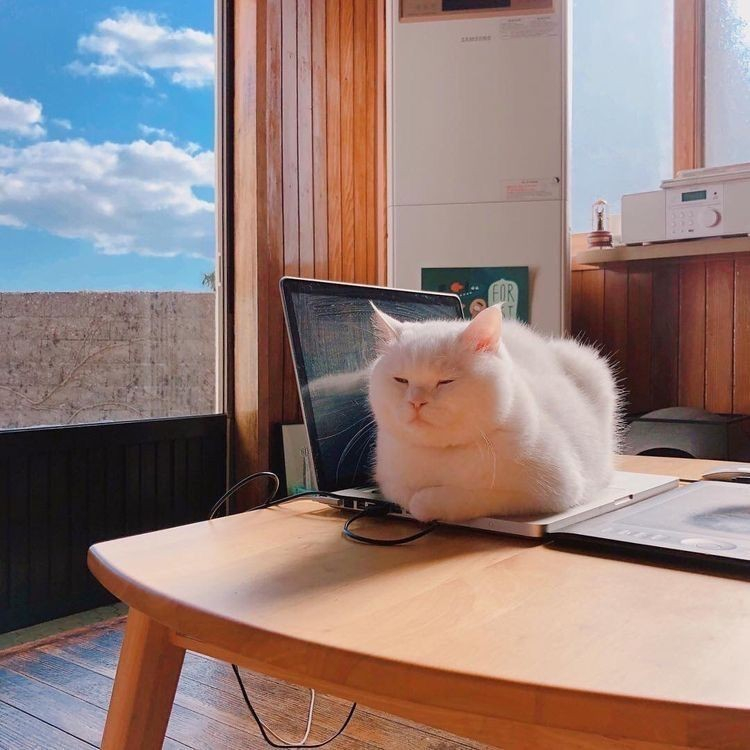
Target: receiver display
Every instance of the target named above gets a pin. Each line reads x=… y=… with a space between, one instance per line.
x=449 y=5
x=694 y=195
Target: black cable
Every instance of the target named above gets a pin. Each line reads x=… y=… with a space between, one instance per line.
x=375 y=511
x=283 y=746
x=270 y=502
x=224 y=499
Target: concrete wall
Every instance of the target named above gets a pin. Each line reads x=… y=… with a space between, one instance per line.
x=74 y=357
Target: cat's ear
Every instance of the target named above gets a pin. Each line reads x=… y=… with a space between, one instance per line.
x=483 y=333
x=387 y=329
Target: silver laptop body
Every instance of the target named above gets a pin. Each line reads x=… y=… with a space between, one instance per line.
x=332 y=342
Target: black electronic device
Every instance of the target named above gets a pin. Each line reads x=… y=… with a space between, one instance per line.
x=701 y=522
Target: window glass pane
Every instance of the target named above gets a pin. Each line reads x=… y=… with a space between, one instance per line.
x=621 y=129
x=727 y=96
x=107 y=228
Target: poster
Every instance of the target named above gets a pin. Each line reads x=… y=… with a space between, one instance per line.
x=481 y=287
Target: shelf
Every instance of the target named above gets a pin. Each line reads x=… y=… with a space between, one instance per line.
x=682 y=249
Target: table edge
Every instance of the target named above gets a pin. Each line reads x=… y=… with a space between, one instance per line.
x=479 y=696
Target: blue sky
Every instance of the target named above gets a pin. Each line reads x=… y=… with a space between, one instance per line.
x=106 y=145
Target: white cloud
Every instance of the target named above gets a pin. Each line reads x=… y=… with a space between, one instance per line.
x=9 y=221
x=123 y=197
x=62 y=123
x=161 y=133
x=135 y=44
x=21 y=118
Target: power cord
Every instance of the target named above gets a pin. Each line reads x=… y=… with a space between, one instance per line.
x=376 y=510
x=235 y=488
x=282 y=745
x=303 y=741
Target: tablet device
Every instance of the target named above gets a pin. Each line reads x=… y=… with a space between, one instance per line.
x=703 y=521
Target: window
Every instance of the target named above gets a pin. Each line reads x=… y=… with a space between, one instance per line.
x=107 y=219
x=727 y=82
x=622 y=123
x=626 y=124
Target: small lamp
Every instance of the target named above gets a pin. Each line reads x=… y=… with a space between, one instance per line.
x=599 y=236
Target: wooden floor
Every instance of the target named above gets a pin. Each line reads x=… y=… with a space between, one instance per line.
x=54 y=696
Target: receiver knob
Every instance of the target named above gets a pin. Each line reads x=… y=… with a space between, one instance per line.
x=710 y=217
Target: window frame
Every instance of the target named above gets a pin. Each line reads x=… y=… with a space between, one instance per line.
x=689 y=108
x=223 y=192
x=689 y=80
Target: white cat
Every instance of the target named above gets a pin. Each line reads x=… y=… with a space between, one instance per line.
x=489 y=418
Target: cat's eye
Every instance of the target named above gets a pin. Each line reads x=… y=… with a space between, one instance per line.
x=444 y=382
x=401 y=380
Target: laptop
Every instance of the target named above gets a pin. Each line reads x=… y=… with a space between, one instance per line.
x=332 y=340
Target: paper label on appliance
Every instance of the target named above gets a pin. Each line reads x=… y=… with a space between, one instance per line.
x=532 y=189
x=519 y=27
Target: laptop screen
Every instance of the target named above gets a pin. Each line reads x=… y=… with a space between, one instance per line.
x=333 y=344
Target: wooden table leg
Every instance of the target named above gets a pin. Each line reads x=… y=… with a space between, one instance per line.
x=144 y=689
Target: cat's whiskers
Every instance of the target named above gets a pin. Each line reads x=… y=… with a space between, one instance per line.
x=491 y=449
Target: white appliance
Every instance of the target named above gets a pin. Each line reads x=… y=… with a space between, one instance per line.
x=708 y=202
x=477 y=142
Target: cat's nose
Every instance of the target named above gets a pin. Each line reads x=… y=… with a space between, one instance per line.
x=417 y=403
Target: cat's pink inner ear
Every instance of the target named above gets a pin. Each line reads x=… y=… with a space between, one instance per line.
x=483 y=333
x=388 y=329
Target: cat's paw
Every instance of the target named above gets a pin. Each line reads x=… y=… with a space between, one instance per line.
x=426 y=504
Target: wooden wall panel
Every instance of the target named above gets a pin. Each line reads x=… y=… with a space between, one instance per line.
x=305 y=139
x=309 y=188
x=346 y=83
x=576 y=305
x=248 y=270
x=719 y=335
x=333 y=126
x=741 y=385
x=372 y=85
x=640 y=334
x=270 y=239
x=292 y=180
x=692 y=340
x=592 y=306
x=319 y=139
x=615 y=313
x=678 y=328
x=665 y=342
x=359 y=138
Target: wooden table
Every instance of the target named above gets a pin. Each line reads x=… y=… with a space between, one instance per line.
x=497 y=639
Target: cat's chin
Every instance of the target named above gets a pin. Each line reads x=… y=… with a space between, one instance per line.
x=421 y=433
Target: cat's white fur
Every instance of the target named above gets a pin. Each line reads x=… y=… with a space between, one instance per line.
x=526 y=425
